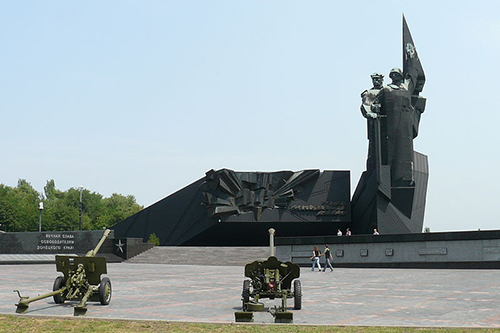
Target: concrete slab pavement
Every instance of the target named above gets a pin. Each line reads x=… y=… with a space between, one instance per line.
x=368 y=297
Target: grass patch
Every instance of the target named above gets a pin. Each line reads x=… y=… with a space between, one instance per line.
x=13 y=323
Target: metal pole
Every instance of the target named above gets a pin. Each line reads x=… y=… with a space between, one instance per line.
x=81 y=208
x=40 y=208
x=271 y=242
x=40 y=223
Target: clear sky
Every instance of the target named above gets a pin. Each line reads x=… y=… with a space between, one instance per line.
x=144 y=97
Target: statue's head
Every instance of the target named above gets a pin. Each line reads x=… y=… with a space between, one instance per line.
x=396 y=75
x=377 y=80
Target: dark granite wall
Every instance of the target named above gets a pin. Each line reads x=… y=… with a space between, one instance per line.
x=54 y=242
x=468 y=249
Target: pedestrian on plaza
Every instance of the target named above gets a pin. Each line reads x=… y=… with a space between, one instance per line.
x=328 y=259
x=348 y=232
x=375 y=232
x=339 y=232
x=315 y=259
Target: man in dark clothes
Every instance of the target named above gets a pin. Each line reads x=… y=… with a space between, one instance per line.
x=328 y=259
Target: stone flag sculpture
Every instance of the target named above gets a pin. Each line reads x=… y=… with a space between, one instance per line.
x=391 y=194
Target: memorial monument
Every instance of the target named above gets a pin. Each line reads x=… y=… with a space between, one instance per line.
x=228 y=208
x=391 y=193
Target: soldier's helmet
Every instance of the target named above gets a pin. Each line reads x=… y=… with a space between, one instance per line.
x=394 y=71
x=377 y=75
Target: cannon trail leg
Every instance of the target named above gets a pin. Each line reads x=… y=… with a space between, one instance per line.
x=81 y=308
x=282 y=315
x=24 y=302
x=243 y=316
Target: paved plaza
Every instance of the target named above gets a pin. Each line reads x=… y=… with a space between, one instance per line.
x=368 y=297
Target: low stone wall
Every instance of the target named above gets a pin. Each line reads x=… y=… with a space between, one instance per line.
x=127 y=248
x=54 y=242
x=472 y=249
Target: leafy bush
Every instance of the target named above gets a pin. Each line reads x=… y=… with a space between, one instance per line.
x=154 y=239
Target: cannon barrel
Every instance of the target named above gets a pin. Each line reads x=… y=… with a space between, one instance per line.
x=271 y=242
x=270 y=279
x=77 y=279
x=93 y=252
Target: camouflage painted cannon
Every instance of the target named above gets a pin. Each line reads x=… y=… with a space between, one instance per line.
x=81 y=281
x=270 y=279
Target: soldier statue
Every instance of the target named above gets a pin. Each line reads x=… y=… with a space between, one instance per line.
x=370 y=112
x=390 y=195
x=394 y=116
x=401 y=126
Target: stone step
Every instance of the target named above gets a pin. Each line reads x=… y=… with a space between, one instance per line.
x=187 y=255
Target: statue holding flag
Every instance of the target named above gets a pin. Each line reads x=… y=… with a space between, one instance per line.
x=391 y=193
x=398 y=107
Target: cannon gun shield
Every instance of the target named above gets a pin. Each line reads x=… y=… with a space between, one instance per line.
x=81 y=280
x=271 y=279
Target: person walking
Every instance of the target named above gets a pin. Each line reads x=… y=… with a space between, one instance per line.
x=328 y=259
x=348 y=232
x=315 y=259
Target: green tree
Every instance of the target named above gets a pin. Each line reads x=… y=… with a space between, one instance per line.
x=51 y=192
x=7 y=209
x=120 y=207
x=58 y=216
x=27 y=199
x=19 y=208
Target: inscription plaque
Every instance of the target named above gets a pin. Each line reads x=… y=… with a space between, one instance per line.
x=52 y=242
x=58 y=242
x=491 y=250
x=339 y=253
x=491 y=253
x=389 y=252
x=433 y=251
x=363 y=252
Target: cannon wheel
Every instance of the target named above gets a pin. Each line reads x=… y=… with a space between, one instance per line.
x=246 y=291
x=297 y=295
x=105 y=291
x=58 y=284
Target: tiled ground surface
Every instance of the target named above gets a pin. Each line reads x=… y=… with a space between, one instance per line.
x=373 y=297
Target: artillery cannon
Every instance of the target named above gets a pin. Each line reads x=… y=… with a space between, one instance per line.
x=81 y=281
x=270 y=279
